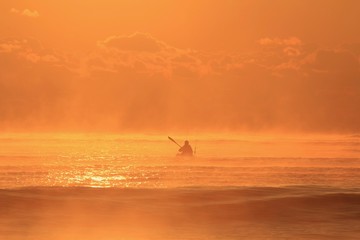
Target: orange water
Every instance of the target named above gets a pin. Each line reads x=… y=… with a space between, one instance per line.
x=97 y=186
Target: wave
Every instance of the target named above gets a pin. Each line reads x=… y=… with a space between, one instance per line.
x=301 y=212
x=257 y=203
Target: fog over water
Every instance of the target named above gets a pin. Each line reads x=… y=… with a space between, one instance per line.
x=138 y=83
x=97 y=97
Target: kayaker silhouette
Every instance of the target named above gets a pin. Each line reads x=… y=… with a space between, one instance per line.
x=186 y=150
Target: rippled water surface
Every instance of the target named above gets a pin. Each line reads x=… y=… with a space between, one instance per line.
x=55 y=186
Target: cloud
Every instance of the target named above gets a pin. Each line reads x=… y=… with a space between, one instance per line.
x=9 y=47
x=15 y=11
x=147 y=54
x=292 y=52
x=138 y=82
x=277 y=53
x=26 y=12
x=140 y=42
x=291 y=86
x=28 y=50
x=336 y=61
x=291 y=41
x=35 y=85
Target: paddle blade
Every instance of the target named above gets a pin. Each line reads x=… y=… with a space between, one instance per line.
x=171 y=139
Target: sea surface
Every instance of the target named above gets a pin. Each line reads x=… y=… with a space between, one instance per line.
x=115 y=186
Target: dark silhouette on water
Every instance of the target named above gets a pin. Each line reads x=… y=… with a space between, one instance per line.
x=186 y=150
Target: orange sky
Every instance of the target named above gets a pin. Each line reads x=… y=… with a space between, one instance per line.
x=131 y=64
x=203 y=25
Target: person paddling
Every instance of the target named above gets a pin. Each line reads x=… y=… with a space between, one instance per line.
x=186 y=150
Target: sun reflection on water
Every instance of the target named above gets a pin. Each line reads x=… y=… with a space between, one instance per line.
x=121 y=162
x=104 y=176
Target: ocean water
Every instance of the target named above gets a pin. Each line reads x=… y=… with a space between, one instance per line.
x=103 y=186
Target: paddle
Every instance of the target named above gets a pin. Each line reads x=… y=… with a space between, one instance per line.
x=171 y=139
